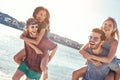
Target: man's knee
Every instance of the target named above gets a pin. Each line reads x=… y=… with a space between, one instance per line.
x=14 y=78
x=118 y=71
x=75 y=75
x=15 y=58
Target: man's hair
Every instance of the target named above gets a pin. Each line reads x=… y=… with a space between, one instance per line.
x=31 y=21
x=97 y=30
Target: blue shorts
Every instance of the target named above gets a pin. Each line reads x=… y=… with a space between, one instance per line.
x=28 y=72
x=114 y=64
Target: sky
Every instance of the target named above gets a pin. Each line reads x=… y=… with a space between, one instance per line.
x=73 y=19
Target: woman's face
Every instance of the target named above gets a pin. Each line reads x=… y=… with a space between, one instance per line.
x=41 y=16
x=108 y=27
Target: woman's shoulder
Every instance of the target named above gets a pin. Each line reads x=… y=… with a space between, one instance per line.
x=44 y=24
x=113 y=41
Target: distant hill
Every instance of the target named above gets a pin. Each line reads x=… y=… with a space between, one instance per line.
x=14 y=23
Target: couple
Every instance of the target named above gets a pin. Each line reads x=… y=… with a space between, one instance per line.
x=38 y=49
x=100 y=54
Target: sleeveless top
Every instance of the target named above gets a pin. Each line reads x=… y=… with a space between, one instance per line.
x=32 y=59
x=96 y=72
x=115 y=63
x=106 y=45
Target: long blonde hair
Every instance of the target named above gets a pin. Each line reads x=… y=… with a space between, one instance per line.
x=115 y=33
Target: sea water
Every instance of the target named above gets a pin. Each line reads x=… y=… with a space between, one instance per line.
x=65 y=61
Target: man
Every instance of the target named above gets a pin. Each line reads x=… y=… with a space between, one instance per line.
x=30 y=60
x=95 y=69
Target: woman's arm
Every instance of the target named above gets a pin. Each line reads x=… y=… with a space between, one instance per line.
x=86 y=55
x=83 y=51
x=23 y=35
x=37 y=50
x=111 y=54
x=37 y=40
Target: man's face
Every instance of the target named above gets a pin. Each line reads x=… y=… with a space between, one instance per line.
x=32 y=29
x=94 y=40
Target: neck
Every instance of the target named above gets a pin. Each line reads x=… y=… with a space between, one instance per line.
x=108 y=36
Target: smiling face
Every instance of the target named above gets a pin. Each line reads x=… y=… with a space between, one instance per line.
x=41 y=15
x=108 y=27
x=32 y=29
x=94 y=40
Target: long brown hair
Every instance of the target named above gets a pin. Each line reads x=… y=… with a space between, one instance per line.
x=46 y=21
x=36 y=11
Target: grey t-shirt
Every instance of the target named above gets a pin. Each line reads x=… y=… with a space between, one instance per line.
x=96 y=72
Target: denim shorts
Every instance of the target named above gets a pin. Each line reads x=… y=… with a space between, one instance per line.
x=114 y=64
x=28 y=72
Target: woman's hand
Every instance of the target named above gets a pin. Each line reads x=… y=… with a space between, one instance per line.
x=87 y=56
x=38 y=51
x=23 y=35
x=96 y=63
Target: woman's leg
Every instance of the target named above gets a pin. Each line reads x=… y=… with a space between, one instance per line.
x=117 y=74
x=19 y=56
x=52 y=53
x=18 y=74
x=43 y=66
x=110 y=76
x=79 y=73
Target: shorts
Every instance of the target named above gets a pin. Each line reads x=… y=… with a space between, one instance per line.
x=114 y=64
x=28 y=72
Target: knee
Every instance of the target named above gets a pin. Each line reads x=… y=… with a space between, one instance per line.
x=118 y=71
x=15 y=58
x=42 y=68
x=74 y=75
x=14 y=78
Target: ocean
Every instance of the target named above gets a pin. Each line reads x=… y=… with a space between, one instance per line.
x=65 y=61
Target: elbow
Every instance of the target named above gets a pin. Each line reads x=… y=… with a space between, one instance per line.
x=81 y=52
x=110 y=60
